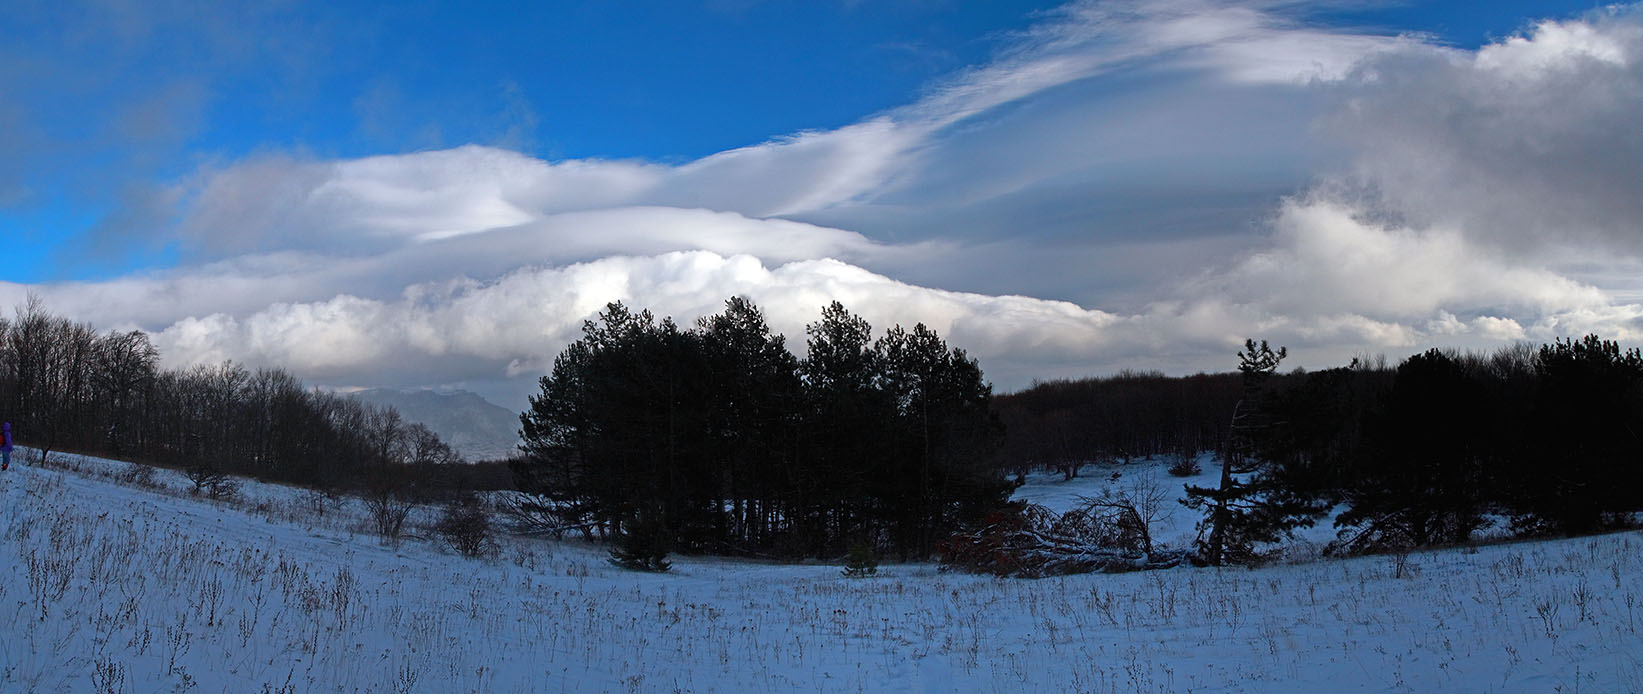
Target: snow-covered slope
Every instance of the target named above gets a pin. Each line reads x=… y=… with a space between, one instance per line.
x=107 y=587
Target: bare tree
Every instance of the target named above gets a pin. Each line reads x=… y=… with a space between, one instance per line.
x=124 y=376
x=1131 y=512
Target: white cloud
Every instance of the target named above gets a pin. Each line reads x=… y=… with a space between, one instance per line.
x=1530 y=144
x=1472 y=188
x=1253 y=45
x=521 y=320
x=1498 y=329
x=1327 y=257
x=1336 y=280
x=1560 y=47
x=368 y=204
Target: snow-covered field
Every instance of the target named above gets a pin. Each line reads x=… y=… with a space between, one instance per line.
x=109 y=587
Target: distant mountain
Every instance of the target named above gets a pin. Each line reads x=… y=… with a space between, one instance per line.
x=475 y=427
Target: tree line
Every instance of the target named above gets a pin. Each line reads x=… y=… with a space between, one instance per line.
x=717 y=438
x=1543 y=440
x=64 y=386
x=1062 y=425
x=1540 y=440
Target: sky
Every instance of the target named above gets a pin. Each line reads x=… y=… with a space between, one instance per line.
x=436 y=195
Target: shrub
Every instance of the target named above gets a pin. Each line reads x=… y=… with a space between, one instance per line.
x=138 y=475
x=1029 y=541
x=205 y=476
x=317 y=502
x=388 y=513
x=466 y=526
x=388 y=499
x=223 y=488
x=1185 y=466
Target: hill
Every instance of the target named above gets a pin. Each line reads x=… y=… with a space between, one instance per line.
x=475 y=427
x=113 y=587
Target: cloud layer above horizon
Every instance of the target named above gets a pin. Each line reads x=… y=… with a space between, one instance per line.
x=1130 y=185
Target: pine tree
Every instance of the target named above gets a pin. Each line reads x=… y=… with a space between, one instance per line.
x=741 y=447
x=754 y=396
x=643 y=544
x=860 y=562
x=620 y=422
x=944 y=435
x=1580 y=473
x=1427 y=483
x=845 y=432
x=1253 y=504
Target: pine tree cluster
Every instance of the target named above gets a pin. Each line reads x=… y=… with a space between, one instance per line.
x=1430 y=452
x=718 y=439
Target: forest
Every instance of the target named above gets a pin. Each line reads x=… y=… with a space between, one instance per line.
x=1540 y=440
x=1065 y=425
x=66 y=387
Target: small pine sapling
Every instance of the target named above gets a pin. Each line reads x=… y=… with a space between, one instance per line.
x=860 y=562
x=642 y=546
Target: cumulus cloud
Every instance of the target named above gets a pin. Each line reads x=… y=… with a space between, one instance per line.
x=1327 y=258
x=1335 y=276
x=1331 y=280
x=1530 y=143
x=1487 y=192
x=523 y=318
x=244 y=284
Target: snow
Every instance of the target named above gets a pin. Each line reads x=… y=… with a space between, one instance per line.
x=106 y=586
x=1176 y=529
x=1177 y=526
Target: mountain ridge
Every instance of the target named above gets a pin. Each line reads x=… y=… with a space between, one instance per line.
x=477 y=428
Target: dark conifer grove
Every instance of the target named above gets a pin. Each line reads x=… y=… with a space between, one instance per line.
x=728 y=443
x=1535 y=441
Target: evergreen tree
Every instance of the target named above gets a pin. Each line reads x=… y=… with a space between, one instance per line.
x=1581 y=472
x=845 y=420
x=718 y=439
x=643 y=542
x=753 y=417
x=618 y=423
x=1429 y=445
x=1254 y=504
x=860 y=561
x=944 y=437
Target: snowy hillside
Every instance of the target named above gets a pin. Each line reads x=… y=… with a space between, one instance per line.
x=110 y=587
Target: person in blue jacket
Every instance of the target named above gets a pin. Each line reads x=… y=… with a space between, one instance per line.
x=5 y=446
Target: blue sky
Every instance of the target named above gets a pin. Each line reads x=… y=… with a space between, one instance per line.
x=176 y=166
x=664 y=81
x=667 y=81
